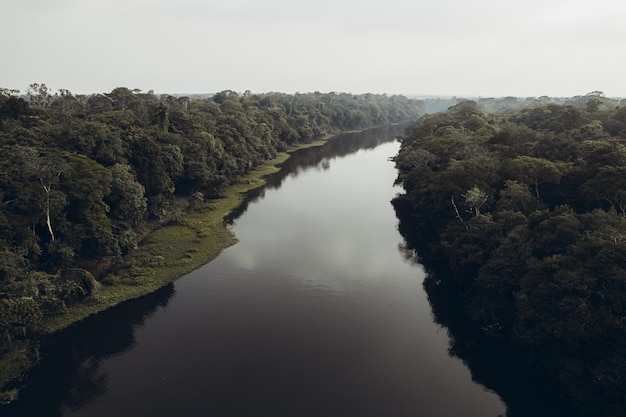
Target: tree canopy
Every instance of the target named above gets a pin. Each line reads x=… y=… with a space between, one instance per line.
x=81 y=175
x=525 y=211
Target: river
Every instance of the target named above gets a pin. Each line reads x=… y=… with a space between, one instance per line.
x=317 y=311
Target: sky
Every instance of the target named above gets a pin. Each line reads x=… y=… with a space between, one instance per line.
x=479 y=48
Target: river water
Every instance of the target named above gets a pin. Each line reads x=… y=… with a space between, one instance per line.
x=315 y=312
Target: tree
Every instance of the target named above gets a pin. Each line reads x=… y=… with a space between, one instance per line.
x=553 y=231
x=461 y=175
x=609 y=185
x=122 y=98
x=88 y=229
x=47 y=170
x=13 y=107
x=8 y=92
x=548 y=278
x=516 y=197
x=475 y=198
x=39 y=96
x=534 y=171
x=161 y=117
x=414 y=158
x=70 y=104
x=80 y=176
x=149 y=162
x=126 y=200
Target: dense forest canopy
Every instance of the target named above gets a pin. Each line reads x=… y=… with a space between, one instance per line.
x=525 y=210
x=81 y=175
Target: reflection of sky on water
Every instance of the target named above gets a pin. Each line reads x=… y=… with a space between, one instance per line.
x=318 y=255
x=327 y=245
x=314 y=312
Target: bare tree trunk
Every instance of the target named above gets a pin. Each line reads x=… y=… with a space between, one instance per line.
x=537 y=190
x=458 y=215
x=47 y=210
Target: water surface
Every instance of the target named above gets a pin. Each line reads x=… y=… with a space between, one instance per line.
x=315 y=312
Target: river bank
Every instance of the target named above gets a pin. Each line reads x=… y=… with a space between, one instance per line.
x=174 y=250
x=314 y=299
x=166 y=254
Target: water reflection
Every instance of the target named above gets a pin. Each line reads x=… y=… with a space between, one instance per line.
x=320 y=158
x=494 y=365
x=314 y=313
x=69 y=375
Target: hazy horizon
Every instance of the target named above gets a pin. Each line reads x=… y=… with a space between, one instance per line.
x=447 y=48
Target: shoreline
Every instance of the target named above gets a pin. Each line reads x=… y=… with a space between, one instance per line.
x=165 y=255
x=170 y=252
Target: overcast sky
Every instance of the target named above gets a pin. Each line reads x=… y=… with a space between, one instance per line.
x=437 y=47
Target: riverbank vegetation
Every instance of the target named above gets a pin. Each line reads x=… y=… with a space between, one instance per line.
x=523 y=214
x=88 y=182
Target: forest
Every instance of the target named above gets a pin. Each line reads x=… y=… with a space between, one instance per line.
x=84 y=178
x=522 y=214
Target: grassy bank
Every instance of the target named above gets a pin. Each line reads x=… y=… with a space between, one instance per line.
x=172 y=251
x=166 y=254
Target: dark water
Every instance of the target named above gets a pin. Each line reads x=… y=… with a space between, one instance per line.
x=315 y=312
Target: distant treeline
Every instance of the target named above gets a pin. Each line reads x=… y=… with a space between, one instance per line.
x=509 y=103
x=525 y=213
x=82 y=175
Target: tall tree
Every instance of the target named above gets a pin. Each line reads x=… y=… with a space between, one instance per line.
x=47 y=170
x=39 y=95
x=534 y=171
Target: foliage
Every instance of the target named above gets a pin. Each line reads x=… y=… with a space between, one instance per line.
x=527 y=208
x=84 y=178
